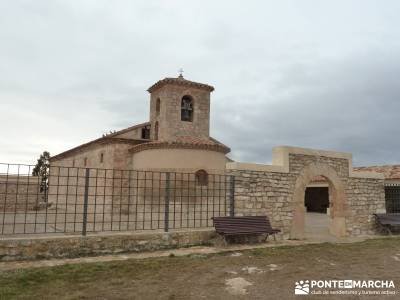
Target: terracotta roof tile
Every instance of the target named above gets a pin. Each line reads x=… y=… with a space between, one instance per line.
x=108 y=139
x=184 y=142
x=179 y=81
x=389 y=171
x=128 y=129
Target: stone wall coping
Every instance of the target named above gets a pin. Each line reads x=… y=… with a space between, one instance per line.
x=365 y=174
x=20 y=178
x=280 y=155
x=63 y=246
x=286 y=150
x=132 y=234
x=392 y=181
x=255 y=167
x=280 y=162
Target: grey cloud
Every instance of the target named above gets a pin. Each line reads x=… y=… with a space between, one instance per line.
x=303 y=74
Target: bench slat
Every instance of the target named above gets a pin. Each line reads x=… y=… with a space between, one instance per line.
x=243 y=225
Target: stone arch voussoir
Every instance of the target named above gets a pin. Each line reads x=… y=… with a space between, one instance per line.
x=337 y=198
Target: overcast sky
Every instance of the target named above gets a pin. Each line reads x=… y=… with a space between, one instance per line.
x=318 y=74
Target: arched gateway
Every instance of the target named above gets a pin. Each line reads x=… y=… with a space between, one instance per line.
x=337 y=199
x=278 y=191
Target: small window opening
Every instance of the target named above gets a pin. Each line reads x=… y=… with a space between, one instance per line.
x=201 y=177
x=73 y=162
x=146 y=132
x=158 y=104
x=101 y=157
x=85 y=161
x=187 y=109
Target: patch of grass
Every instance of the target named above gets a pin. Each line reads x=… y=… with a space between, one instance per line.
x=78 y=280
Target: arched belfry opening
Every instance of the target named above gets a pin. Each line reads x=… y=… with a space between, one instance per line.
x=324 y=215
x=187 y=108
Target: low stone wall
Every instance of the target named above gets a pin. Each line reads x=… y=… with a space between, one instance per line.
x=19 y=193
x=46 y=247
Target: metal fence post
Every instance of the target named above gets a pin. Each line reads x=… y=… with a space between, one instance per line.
x=232 y=196
x=85 y=202
x=166 y=208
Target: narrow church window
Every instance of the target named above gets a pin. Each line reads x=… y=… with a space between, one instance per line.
x=73 y=162
x=156 y=131
x=146 y=132
x=187 y=109
x=85 y=161
x=201 y=177
x=158 y=107
x=101 y=157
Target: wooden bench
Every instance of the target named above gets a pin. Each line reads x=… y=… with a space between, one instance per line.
x=251 y=225
x=386 y=222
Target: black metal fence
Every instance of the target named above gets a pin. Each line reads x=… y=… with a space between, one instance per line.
x=392 y=197
x=81 y=200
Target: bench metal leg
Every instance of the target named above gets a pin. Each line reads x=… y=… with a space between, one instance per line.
x=385 y=229
x=389 y=230
x=266 y=237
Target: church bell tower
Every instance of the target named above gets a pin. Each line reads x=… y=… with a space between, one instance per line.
x=179 y=108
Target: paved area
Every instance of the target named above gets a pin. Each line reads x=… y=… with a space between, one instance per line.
x=317 y=227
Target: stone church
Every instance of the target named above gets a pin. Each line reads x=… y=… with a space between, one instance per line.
x=176 y=137
x=299 y=185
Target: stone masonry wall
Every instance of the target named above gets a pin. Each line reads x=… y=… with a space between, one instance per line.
x=265 y=193
x=19 y=193
x=365 y=197
x=30 y=248
x=169 y=119
x=272 y=193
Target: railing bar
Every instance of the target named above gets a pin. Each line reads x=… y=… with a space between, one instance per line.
x=38 y=197
x=76 y=197
x=159 y=199
x=129 y=197
x=27 y=198
x=104 y=199
x=120 y=201
x=16 y=200
x=181 y=198
x=174 y=189
x=112 y=199
x=144 y=199
x=58 y=186
x=188 y=201
x=5 y=199
x=137 y=198
x=151 y=201
x=166 y=209
x=85 y=202
x=95 y=201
